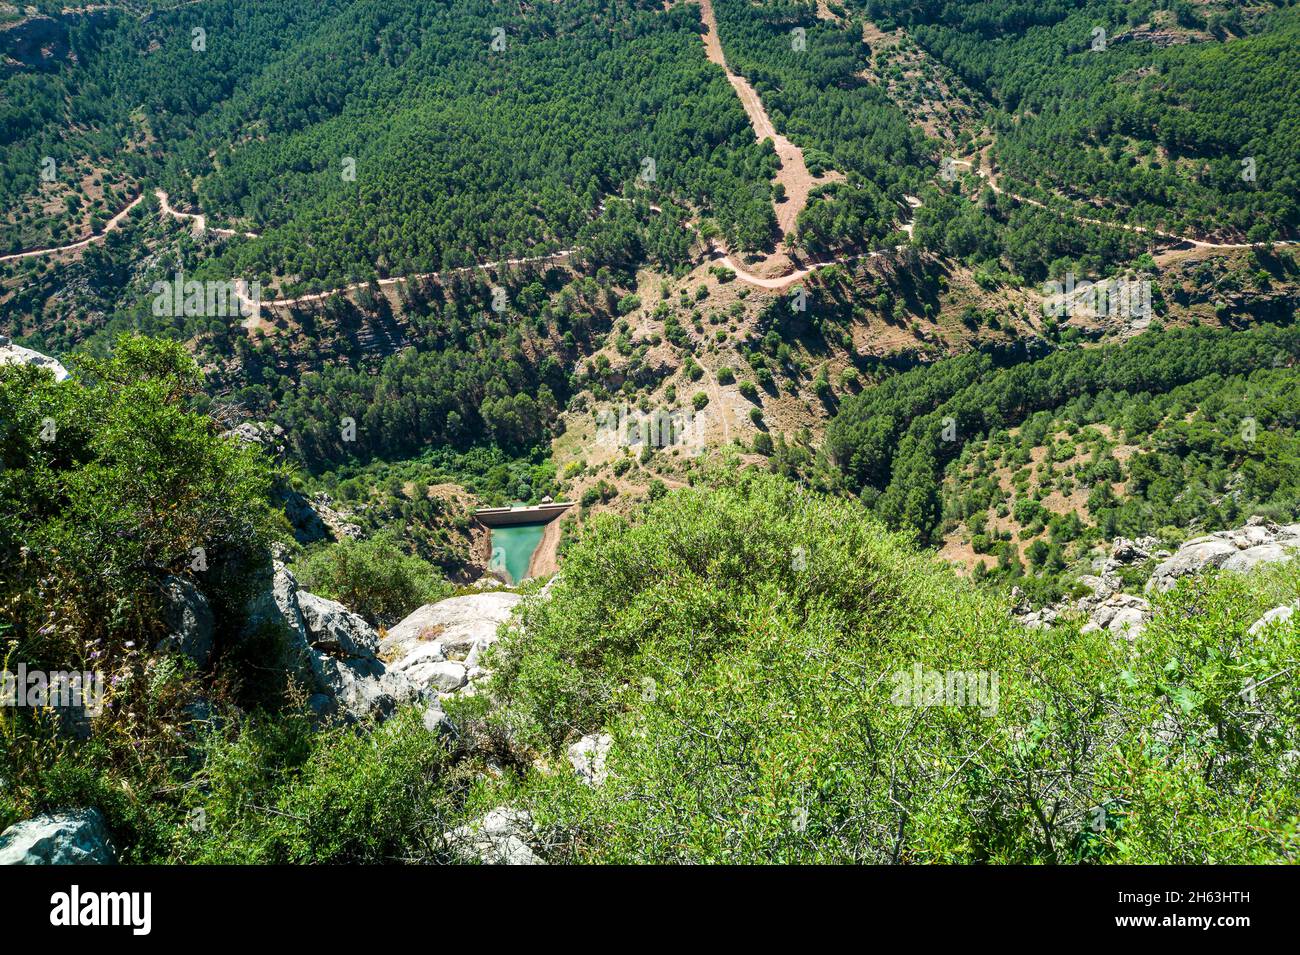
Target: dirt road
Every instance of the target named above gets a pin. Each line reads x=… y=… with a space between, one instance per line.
x=793 y=174
x=109 y=226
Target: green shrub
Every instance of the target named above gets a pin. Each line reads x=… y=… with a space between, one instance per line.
x=375 y=578
x=744 y=646
x=279 y=793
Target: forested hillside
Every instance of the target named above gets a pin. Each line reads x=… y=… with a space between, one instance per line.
x=403 y=137
x=893 y=443
x=798 y=324
x=1179 y=115
x=806 y=70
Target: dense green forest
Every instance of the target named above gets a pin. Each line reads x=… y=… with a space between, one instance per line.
x=407 y=137
x=438 y=369
x=892 y=443
x=1161 y=134
x=998 y=234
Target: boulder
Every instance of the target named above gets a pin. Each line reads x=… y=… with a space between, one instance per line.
x=436 y=645
x=262 y=434
x=66 y=838
x=188 y=619
x=436 y=721
x=498 y=838
x=274 y=605
x=1194 y=557
x=1122 y=614
x=330 y=649
x=587 y=757
x=1247 y=560
x=1125 y=551
x=445 y=676
x=308 y=527
x=335 y=629
x=1240 y=550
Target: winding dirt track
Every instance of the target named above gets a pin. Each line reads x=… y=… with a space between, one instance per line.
x=200 y=225
x=199 y=219
x=109 y=226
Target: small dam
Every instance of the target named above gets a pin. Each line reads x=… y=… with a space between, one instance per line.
x=523 y=540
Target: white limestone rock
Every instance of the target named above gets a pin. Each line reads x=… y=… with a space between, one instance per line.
x=588 y=755
x=66 y=838
x=11 y=354
x=498 y=838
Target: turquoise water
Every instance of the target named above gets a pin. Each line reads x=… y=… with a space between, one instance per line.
x=512 y=548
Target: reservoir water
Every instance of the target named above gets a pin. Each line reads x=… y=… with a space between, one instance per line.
x=512 y=548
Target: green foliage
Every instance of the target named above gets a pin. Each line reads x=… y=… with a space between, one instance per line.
x=376 y=577
x=1160 y=130
x=742 y=647
x=891 y=438
x=280 y=793
x=111 y=481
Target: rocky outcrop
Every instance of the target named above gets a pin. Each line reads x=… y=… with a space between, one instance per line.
x=330 y=649
x=1239 y=550
x=11 y=354
x=314 y=519
x=188 y=619
x=66 y=838
x=1124 y=615
x=1107 y=608
x=308 y=527
x=269 y=437
x=499 y=838
x=434 y=653
x=439 y=647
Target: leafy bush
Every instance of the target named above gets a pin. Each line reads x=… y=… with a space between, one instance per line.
x=113 y=480
x=375 y=578
x=744 y=647
x=279 y=792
